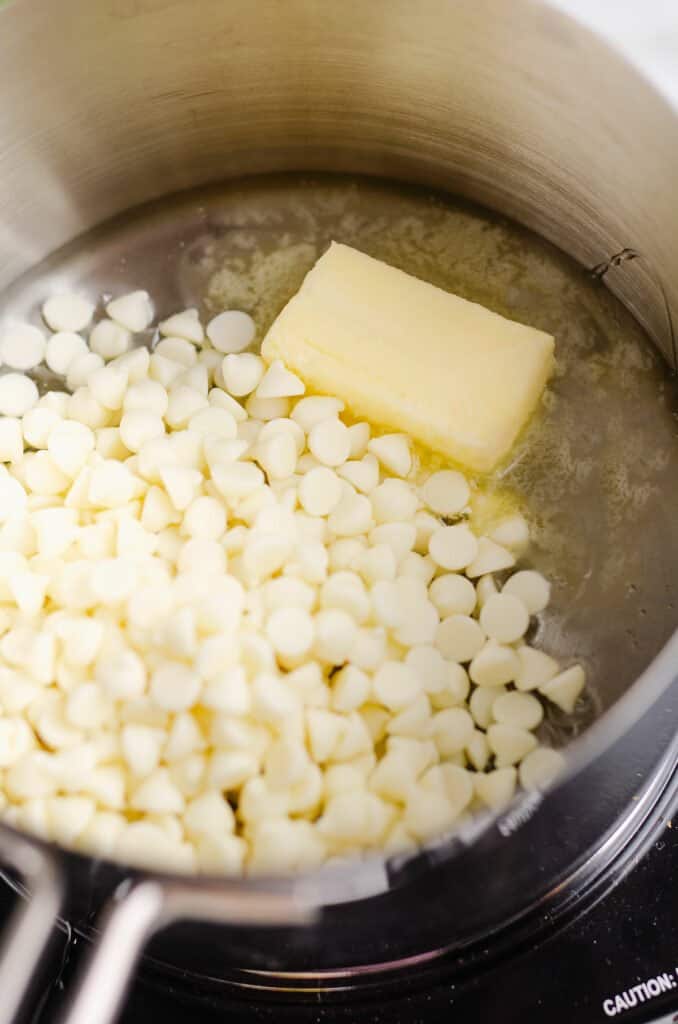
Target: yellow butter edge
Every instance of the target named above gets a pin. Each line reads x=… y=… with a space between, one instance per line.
x=466 y=455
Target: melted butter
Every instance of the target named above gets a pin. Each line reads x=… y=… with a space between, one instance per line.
x=596 y=470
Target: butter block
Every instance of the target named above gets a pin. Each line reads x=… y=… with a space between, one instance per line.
x=408 y=356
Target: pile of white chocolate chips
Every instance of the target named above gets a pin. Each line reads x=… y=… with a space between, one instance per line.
x=238 y=634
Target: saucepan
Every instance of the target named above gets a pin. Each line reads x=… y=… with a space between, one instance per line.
x=108 y=105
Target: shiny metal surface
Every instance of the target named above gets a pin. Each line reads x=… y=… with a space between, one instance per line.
x=148 y=906
x=507 y=102
x=26 y=936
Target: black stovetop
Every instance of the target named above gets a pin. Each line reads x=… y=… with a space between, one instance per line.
x=628 y=937
x=626 y=940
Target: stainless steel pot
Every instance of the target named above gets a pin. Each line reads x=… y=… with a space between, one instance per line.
x=107 y=104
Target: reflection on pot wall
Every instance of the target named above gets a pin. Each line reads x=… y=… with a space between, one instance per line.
x=553 y=129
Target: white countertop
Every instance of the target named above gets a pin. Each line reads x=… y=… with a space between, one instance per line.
x=646 y=31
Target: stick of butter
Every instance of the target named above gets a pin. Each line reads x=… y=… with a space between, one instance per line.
x=409 y=356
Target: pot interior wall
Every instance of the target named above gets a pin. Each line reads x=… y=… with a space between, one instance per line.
x=510 y=104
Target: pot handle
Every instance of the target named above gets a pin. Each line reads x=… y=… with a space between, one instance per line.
x=26 y=937
x=142 y=908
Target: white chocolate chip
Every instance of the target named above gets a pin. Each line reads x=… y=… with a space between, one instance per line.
x=81 y=368
x=290 y=632
x=183 y=403
x=446 y=493
x=11 y=439
x=360 y=435
x=279 y=382
x=494 y=665
x=512 y=533
x=70 y=444
x=363 y=474
x=111 y=484
x=277 y=456
x=109 y=339
x=136 y=364
x=18 y=394
x=22 y=346
x=133 y=311
x=393 y=452
x=108 y=386
x=400 y=537
x=147 y=396
x=453 y=547
x=496 y=788
x=509 y=743
x=394 y=501
x=176 y=350
x=236 y=480
x=459 y=638
x=335 y=633
x=565 y=688
x=62 y=350
x=242 y=373
x=231 y=331
x=395 y=685
x=536 y=668
x=329 y=441
x=485 y=588
x=490 y=557
x=320 y=491
x=504 y=618
x=520 y=709
x=351 y=516
x=452 y=594
x=183 y=325
x=83 y=406
x=313 y=410
x=530 y=587
x=540 y=767
x=137 y=427
x=452 y=730
x=477 y=750
x=67 y=312
x=174 y=687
